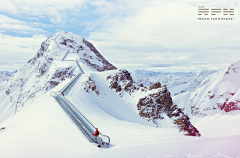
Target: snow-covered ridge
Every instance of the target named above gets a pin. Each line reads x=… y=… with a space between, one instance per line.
x=177 y=82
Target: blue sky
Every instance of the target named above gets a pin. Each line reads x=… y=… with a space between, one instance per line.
x=152 y=35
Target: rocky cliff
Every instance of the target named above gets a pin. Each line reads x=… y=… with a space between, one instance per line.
x=155 y=102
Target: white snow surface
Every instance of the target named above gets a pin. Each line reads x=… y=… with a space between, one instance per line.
x=41 y=128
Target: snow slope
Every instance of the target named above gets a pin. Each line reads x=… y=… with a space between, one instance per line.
x=220 y=93
x=43 y=129
x=215 y=104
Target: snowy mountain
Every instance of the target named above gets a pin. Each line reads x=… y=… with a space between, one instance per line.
x=58 y=60
x=109 y=98
x=221 y=92
x=153 y=103
x=214 y=107
x=177 y=82
x=54 y=62
x=4 y=75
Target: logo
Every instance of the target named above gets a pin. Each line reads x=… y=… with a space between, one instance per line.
x=215 y=13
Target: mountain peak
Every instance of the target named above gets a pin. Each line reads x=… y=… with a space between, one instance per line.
x=78 y=49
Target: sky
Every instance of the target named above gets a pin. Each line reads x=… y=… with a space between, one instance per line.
x=159 y=35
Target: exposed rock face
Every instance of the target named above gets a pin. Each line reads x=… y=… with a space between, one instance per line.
x=186 y=126
x=91 y=85
x=155 y=86
x=84 y=50
x=230 y=106
x=153 y=106
x=106 y=64
x=122 y=82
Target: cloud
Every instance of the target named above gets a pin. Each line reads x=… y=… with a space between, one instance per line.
x=18 y=50
x=56 y=10
x=20 y=27
x=166 y=33
x=11 y=66
x=157 y=34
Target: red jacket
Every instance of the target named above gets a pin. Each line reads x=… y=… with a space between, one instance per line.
x=96 y=133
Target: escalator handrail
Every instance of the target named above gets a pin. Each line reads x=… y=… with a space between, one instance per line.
x=80 y=121
x=74 y=120
x=80 y=113
x=66 y=86
x=86 y=118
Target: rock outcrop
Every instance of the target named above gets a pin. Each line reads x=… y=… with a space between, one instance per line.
x=90 y=85
x=122 y=82
x=153 y=106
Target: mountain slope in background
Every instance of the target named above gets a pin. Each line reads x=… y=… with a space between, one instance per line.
x=4 y=75
x=177 y=82
x=216 y=102
x=220 y=93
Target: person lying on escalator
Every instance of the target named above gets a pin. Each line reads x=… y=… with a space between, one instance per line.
x=96 y=133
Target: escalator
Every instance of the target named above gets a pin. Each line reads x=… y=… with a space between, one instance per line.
x=78 y=118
